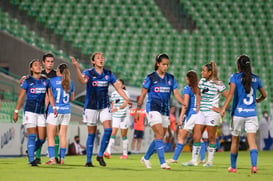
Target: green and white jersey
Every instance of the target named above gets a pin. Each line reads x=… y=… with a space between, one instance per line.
x=117 y=101
x=210 y=93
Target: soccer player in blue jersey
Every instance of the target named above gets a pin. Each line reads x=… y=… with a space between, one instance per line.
x=190 y=108
x=243 y=89
x=35 y=87
x=159 y=85
x=97 y=105
x=63 y=92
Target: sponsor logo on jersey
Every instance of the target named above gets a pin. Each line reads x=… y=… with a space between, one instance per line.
x=58 y=82
x=245 y=110
x=37 y=90
x=162 y=89
x=100 y=83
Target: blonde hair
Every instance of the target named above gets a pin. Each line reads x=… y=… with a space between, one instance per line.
x=214 y=73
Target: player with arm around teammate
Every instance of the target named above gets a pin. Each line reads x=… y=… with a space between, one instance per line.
x=63 y=92
x=35 y=87
x=243 y=89
x=159 y=85
x=97 y=105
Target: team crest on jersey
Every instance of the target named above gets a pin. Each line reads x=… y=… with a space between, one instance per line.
x=106 y=77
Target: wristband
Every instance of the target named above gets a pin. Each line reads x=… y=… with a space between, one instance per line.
x=16 y=110
x=54 y=107
x=118 y=108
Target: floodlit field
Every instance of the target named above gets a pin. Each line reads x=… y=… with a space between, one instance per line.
x=131 y=169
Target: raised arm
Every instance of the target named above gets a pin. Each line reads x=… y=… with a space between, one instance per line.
x=81 y=78
x=122 y=94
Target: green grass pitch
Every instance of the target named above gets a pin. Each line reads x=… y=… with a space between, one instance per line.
x=131 y=169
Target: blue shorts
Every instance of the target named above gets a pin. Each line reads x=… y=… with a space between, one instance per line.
x=138 y=134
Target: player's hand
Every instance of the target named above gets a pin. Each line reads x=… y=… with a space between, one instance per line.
x=215 y=109
x=75 y=62
x=15 y=117
x=223 y=112
x=55 y=112
x=114 y=110
x=130 y=103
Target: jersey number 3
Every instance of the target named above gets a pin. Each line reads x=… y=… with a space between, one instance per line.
x=249 y=99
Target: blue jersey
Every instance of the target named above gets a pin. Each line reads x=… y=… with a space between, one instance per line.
x=192 y=102
x=62 y=98
x=97 y=88
x=159 y=92
x=244 y=105
x=35 y=94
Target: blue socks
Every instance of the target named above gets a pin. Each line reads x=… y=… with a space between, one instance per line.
x=178 y=149
x=105 y=141
x=51 y=152
x=254 y=157
x=203 y=151
x=233 y=159
x=150 y=151
x=39 y=143
x=89 y=147
x=31 y=147
x=62 y=152
x=159 y=145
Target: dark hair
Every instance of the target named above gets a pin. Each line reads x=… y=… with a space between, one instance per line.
x=243 y=63
x=123 y=83
x=159 y=58
x=93 y=56
x=214 y=73
x=76 y=137
x=193 y=81
x=47 y=55
x=31 y=64
x=65 y=76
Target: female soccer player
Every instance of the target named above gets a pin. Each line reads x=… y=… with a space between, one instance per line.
x=97 y=106
x=211 y=88
x=63 y=92
x=120 y=119
x=35 y=87
x=190 y=108
x=159 y=85
x=243 y=89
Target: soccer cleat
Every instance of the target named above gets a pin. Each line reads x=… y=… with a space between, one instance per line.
x=89 y=164
x=57 y=160
x=50 y=162
x=171 y=161
x=208 y=164
x=202 y=161
x=33 y=164
x=107 y=155
x=190 y=163
x=62 y=162
x=232 y=170
x=165 y=166
x=146 y=162
x=38 y=160
x=254 y=170
x=124 y=157
x=101 y=161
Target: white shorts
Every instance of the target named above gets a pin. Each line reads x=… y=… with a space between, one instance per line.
x=210 y=118
x=122 y=123
x=189 y=125
x=237 y=123
x=61 y=119
x=32 y=120
x=154 y=117
x=91 y=116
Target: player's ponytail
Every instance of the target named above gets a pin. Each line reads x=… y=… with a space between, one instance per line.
x=214 y=73
x=65 y=77
x=193 y=81
x=159 y=58
x=243 y=63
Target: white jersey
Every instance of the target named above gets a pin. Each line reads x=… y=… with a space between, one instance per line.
x=117 y=102
x=210 y=93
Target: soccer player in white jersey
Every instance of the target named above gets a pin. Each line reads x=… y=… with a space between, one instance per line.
x=63 y=92
x=120 y=119
x=211 y=89
x=243 y=89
